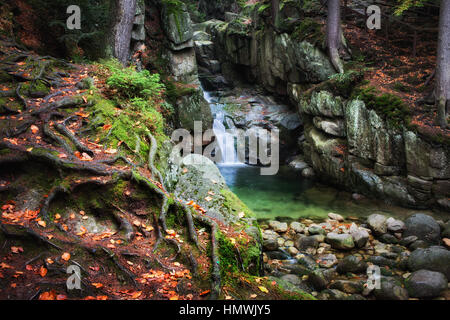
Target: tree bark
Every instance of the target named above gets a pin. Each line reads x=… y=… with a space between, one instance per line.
x=442 y=89
x=334 y=34
x=125 y=11
x=275 y=9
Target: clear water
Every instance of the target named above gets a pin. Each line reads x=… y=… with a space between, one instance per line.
x=289 y=195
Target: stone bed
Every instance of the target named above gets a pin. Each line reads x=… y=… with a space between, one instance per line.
x=331 y=259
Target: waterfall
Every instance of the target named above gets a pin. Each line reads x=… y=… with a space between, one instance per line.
x=225 y=138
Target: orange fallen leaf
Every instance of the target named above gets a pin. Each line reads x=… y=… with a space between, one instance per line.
x=43 y=271
x=42 y=223
x=97 y=285
x=66 y=256
x=34 y=129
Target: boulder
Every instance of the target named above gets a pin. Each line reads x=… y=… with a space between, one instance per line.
x=278 y=226
x=340 y=241
x=377 y=223
x=360 y=235
x=348 y=286
x=424 y=227
x=327 y=260
x=297 y=227
x=270 y=245
x=390 y=289
x=434 y=258
x=335 y=216
x=304 y=243
x=426 y=284
x=394 y=225
x=351 y=264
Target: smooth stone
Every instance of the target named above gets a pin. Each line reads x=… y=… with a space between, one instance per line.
x=340 y=241
x=316 y=229
x=434 y=258
x=307 y=261
x=297 y=227
x=388 y=238
x=270 y=244
x=423 y=227
x=278 y=226
x=426 y=284
x=395 y=225
x=351 y=264
x=335 y=216
x=360 y=235
x=327 y=260
x=377 y=223
x=348 y=286
x=390 y=289
x=304 y=243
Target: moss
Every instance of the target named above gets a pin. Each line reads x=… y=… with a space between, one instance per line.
x=233 y=204
x=389 y=107
x=309 y=30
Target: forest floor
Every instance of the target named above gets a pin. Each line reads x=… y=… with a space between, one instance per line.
x=394 y=70
x=70 y=199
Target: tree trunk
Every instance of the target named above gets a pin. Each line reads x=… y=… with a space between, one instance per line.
x=443 y=65
x=334 y=34
x=275 y=9
x=125 y=11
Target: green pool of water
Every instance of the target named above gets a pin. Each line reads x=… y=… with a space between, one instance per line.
x=289 y=195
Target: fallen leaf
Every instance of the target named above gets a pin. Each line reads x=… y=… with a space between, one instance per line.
x=263 y=289
x=16 y=249
x=97 y=285
x=43 y=271
x=42 y=223
x=66 y=256
x=34 y=129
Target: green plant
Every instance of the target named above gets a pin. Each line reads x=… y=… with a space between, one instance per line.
x=132 y=84
x=390 y=107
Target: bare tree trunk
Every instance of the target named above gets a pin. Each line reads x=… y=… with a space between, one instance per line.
x=334 y=33
x=275 y=9
x=442 y=89
x=125 y=11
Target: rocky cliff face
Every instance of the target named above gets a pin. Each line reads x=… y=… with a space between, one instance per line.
x=355 y=147
x=345 y=142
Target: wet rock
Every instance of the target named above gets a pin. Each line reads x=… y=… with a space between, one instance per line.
x=418 y=244
x=292 y=278
x=278 y=226
x=388 y=238
x=426 y=284
x=277 y=255
x=304 y=243
x=307 y=261
x=316 y=229
x=308 y=173
x=270 y=245
x=332 y=294
x=335 y=216
x=269 y=234
x=351 y=264
x=382 y=261
x=293 y=251
x=395 y=225
x=407 y=241
x=348 y=286
x=390 y=289
x=360 y=235
x=423 y=227
x=340 y=241
x=297 y=227
x=377 y=223
x=327 y=260
x=317 y=280
x=433 y=258
x=297 y=269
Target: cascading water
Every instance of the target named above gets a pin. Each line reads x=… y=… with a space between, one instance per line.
x=225 y=138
